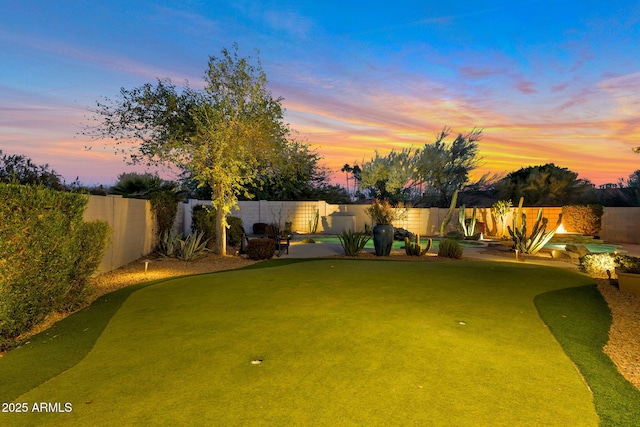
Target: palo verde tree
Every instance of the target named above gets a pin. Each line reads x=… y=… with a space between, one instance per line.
x=445 y=166
x=219 y=134
x=386 y=177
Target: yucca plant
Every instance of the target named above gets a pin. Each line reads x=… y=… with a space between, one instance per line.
x=193 y=247
x=353 y=242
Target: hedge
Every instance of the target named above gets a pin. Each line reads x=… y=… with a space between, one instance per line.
x=47 y=255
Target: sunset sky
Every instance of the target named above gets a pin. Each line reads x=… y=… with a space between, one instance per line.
x=548 y=81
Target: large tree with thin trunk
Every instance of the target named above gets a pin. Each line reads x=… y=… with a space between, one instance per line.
x=219 y=134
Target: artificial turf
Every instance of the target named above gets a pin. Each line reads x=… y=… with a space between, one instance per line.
x=341 y=342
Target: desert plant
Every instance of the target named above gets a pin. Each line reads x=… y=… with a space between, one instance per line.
x=193 y=247
x=382 y=213
x=539 y=235
x=597 y=265
x=415 y=249
x=449 y=214
x=585 y=219
x=261 y=248
x=628 y=264
x=353 y=242
x=169 y=243
x=313 y=222
x=500 y=210
x=468 y=227
x=449 y=248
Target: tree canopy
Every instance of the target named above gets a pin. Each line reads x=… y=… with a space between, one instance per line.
x=219 y=134
x=21 y=169
x=544 y=185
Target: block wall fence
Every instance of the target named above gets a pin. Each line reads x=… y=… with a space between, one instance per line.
x=619 y=225
x=134 y=235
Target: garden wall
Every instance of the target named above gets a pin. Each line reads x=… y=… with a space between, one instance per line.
x=619 y=225
x=132 y=225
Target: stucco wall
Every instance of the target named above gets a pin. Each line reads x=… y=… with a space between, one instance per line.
x=132 y=228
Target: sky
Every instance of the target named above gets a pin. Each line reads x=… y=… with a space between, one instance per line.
x=547 y=81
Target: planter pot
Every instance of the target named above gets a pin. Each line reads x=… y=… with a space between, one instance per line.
x=383 y=239
x=628 y=282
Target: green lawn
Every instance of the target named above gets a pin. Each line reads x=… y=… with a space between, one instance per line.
x=341 y=342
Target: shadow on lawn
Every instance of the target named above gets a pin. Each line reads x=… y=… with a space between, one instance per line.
x=580 y=320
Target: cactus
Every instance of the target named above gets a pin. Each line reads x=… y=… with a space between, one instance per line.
x=539 y=235
x=449 y=248
x=468 y=231
x=449 y=214
x=416 y=249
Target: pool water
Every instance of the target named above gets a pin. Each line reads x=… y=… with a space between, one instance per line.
x=598 y=248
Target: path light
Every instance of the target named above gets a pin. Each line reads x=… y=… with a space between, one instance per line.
x=146 y=265
x=517 y=252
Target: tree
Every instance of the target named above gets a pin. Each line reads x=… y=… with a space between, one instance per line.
x=387 y=177
x=294 y=174
x=347 y=169
x=21 y=169
x=445 y=167
x=219 y=134
x=545 y=185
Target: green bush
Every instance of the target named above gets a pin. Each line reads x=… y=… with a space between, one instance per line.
x=597 y=265
x=585 y=219
x=47 y=255
x=203 y=219
x=353 y=242
x=261 y=248
x=450 y=248
x=235 y=231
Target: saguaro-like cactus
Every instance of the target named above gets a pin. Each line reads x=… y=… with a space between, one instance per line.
x=449 y=214
x=468 y=231
x=416 y=249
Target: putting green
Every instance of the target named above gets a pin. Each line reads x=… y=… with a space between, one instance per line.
x=340 y=342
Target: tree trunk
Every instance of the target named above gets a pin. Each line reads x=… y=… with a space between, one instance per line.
x=221 y=233
x=221 y=230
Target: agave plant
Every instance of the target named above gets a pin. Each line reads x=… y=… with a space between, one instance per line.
x=169 y=243
x=193 y=247
x=353 y=242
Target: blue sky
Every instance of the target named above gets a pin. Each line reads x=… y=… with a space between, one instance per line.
x=548 y=81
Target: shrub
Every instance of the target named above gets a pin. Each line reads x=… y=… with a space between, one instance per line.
x=261 y=248
x=235 y=231
x=585 y=219
x=353 y=242
x=203 y=218
x=450 y=249
x=92 y=239
x=596 y=265
x=47 y=255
